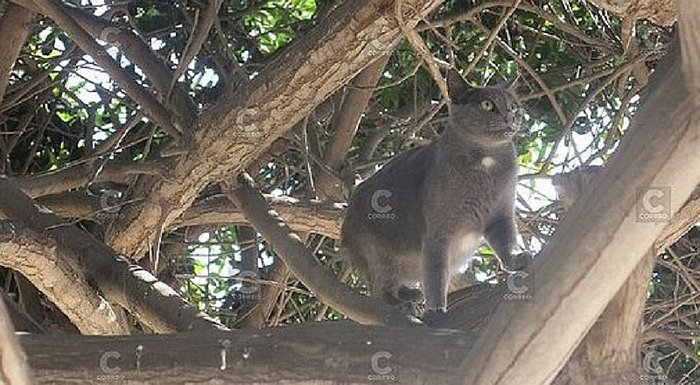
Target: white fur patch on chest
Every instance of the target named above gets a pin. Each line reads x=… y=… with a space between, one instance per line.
x=488 y=162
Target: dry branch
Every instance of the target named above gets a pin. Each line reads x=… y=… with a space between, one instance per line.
x=306 y=216
x=15 y=26
x=46 y=266
x=238 y=129
x=158 y=306
x=80 y=175
x=289 y=247
x=575 y=276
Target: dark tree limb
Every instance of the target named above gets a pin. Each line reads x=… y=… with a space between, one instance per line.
x=315 y=353
x=344 y=126
x=138 y=52
x=80 y=175
x=152 y=107
x=289 y=247
x=19 y=317
x=15 y=26
x=302 y=215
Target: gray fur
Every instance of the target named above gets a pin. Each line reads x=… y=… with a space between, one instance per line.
x=420 y=218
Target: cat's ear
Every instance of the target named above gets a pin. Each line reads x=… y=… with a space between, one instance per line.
x=456 y=85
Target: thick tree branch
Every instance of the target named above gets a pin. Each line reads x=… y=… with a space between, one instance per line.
x=239 y=128
x=15 y=26
x=154 y=303
x=152 y=107
x=316 y=353
x=46 y=266
x=301 y=261
x=577 y=276
x=305 y=216
x=80 y=175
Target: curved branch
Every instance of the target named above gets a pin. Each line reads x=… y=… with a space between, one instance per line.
x=154 y=303
x=301 y=261
x=46 y=266
x=241 y=126
x=307 y=216
x=15 y=26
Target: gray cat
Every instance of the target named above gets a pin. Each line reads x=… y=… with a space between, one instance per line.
x=420 y=218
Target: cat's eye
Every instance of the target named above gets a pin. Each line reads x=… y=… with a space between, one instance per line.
x=486 y=105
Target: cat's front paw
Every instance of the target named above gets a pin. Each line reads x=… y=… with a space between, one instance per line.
x=410 y=294
x=408 y=301
x=433 y=317
x=519 y=262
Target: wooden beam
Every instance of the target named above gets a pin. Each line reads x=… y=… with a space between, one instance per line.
x=314 y=353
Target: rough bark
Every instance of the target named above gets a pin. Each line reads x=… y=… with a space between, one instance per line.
x=154 y=303
x=14 y=368
x=15 y=26
x=576 y=277
x=302 y=215
x=293 y=252
x=316 y=353
x=238 y=128
x=663 y=12
x=609 y=353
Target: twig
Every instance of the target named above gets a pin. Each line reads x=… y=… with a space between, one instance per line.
x=422 y=50
x=493 y=35
x=147 y=101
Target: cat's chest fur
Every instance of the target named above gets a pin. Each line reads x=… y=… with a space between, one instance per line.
x=471 y=177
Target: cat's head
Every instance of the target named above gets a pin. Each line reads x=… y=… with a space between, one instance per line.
x=485 y=115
